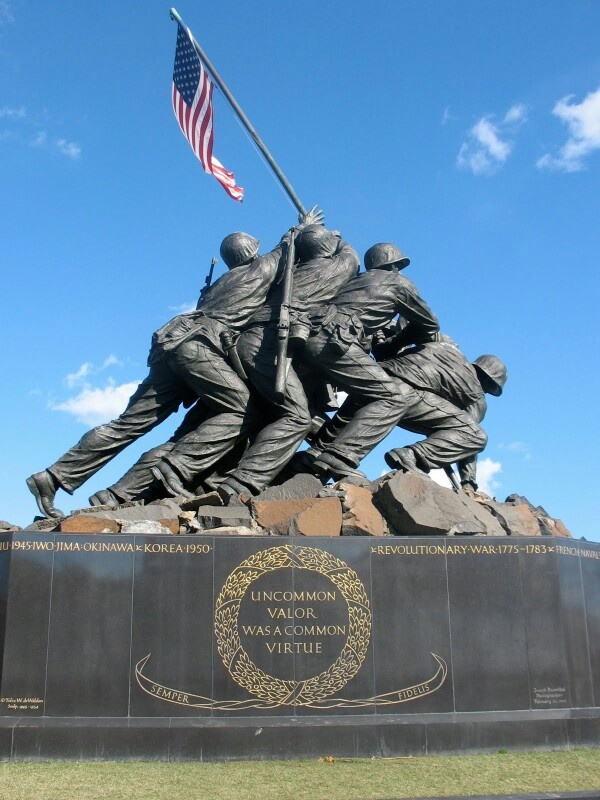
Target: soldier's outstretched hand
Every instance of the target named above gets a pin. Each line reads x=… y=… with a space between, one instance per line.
x=313 y=217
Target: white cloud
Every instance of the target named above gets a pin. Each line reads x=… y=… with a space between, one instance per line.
x=446 y=117
x=184 y=308
x=440 y=477
x=489 y=142
x=69 y=149
x=62 y=146
x=5 y=12
x=583 y=122
x=516 y=113
x=520 y=448
x=12 y=113
x=112 y=360
x=75 y=378
x=486 y=470
x=39 y=140
x=96 y=406
x=87 y=369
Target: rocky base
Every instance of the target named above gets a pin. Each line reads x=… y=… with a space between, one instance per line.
x=398 y=504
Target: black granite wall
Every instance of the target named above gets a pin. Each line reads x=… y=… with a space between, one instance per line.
x=212 y=628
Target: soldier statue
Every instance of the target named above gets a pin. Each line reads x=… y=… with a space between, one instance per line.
x=336 y=348
x=187 y=360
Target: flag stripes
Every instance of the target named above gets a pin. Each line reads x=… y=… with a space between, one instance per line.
x=192 y=103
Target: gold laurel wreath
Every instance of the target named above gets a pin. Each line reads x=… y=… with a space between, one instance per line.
x=237 y=662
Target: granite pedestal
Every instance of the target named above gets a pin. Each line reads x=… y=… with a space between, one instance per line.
x=207 y=647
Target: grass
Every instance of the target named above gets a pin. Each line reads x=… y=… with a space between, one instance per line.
x=326 y=779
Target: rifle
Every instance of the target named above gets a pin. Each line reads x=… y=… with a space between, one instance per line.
x=452 y=477
x=208 y=279
x=283 y=327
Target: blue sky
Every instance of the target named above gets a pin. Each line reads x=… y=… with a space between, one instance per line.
x=466 y=132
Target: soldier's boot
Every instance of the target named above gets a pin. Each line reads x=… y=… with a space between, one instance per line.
x=403 y=458
x=170 y=480
x=326 y=466
x=232 y=491
x=301 y=462
x=43 y=487
x=104 y=498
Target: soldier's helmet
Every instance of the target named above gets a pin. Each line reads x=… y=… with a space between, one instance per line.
x=385 y=254
x=315 y=241
x=238 y=248
x=492 y=372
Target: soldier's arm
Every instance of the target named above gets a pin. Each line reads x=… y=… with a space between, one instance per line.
x=423 y=325
x=271 y=264
x=476 y=410
x=344 y=267
x=348 y=257
x=385 y=342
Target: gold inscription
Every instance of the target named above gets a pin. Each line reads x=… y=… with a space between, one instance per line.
x=280 y=613
x=297 y=597
x=305 y=624
x=162 y=548
x=308 y=648
x=73 y=546
x=413 y=692
x=451 y=549
x=408 y=550
x=169 y=694
x=293 y=630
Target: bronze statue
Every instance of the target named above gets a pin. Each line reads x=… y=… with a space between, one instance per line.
x=325 y=263
x=187 y=360
x=446 y=403
x=224 y=356
x=336 y=347
x=447 y=407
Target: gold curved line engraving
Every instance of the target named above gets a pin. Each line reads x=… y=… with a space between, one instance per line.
x=396 y=697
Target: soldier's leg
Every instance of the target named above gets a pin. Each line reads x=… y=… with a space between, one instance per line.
x=138 y=483
x=451 y=434
x=275 y=443
x=233 y=414
x=335 y=425
x=378 y=400
x=324 y=431
x=155 y=398
x=158 y=396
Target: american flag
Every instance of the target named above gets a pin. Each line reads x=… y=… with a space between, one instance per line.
x=192 y=104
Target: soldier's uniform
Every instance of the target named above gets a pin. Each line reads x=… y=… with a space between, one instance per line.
x=186 y=360
x=327 y=264
x=446 y=406
x=364 y=306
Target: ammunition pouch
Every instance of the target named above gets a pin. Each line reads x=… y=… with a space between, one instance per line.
x=299 y=328
x=342 y=329
x=177 y=331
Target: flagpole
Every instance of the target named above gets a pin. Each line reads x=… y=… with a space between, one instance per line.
x=243 y=118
